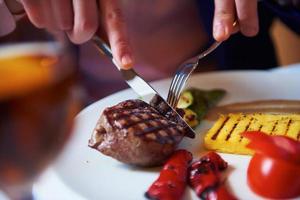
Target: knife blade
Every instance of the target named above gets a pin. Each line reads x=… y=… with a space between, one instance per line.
x=142 y=88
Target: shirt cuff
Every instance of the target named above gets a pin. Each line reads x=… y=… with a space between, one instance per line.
x=7 y=20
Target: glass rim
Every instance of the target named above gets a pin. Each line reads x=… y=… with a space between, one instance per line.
x=51 y=48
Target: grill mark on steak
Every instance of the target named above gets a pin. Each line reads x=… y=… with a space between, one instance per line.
x=126 y=111
x=127 y=115
x=125 y=121
x=139 y=115
x=164 y=133
x=143 y=121
x=146 y=127
x=136 y=133
x=140 y=119
x=164 y=109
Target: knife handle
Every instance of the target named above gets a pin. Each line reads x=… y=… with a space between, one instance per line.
x=102 y=47
x=105 y=50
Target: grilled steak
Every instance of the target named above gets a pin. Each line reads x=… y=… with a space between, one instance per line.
x=136 y=133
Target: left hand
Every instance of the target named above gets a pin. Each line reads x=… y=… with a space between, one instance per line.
x=244 y=12
x=80 y=19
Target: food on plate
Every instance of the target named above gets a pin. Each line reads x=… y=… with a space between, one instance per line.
x=172 y=179
x=274 y=170
x=161 y=106
x=259 y=106
x=204 y=177
x=196 y=103
x=186 y=99
x=190 y=117
x=137 y=133
x=206 y=180
x=225 y=134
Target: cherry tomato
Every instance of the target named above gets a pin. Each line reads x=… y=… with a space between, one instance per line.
x=274 y=170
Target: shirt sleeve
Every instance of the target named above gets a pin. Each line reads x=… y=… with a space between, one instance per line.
x=289 y=15
x=7 y=20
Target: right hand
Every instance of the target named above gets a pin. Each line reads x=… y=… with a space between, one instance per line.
x=80 y=19
x=244 y=12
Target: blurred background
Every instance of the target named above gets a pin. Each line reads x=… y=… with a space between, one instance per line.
x=287 y=44
x=165 y=33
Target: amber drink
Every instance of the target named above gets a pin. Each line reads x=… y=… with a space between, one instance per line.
x=38 y=101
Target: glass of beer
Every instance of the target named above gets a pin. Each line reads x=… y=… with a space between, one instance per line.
x=39 y=97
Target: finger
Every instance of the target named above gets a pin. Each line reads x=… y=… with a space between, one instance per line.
x=63 y=14
x=247 y=16
x=223 y=19
x=115 y=28
x=48 y=14
x=85 y=21
x=236 y=27
x=35 y=11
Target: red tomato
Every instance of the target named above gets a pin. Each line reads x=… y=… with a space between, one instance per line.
x=274 y=170
x=273 y=178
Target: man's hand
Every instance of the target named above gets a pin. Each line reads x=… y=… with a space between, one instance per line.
x=244 y=12
x=114 y=25
x=14 y=7
x=80 y=19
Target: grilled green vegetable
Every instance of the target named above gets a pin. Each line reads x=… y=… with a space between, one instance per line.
x=199 y=102
x=190 y=117
x=186 y=99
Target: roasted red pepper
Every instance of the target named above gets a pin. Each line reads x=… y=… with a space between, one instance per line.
x=172 y=180
x=205 y=178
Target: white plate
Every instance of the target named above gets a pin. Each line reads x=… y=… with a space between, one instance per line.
x=95 y=176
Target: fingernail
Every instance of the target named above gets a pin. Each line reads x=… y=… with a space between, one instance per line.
x=249 y=31
x=127 y=61
x=219 y=32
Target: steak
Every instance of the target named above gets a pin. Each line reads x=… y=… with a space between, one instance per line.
x=136 y=133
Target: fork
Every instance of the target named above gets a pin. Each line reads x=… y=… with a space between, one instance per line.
x=183 y=73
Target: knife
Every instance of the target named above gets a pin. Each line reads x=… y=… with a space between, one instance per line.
x=142 y=88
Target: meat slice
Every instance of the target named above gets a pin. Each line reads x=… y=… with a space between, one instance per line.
x=136 y=133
